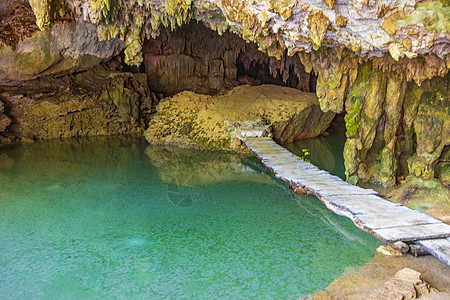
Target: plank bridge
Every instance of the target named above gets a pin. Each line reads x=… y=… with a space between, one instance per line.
x=389 y=222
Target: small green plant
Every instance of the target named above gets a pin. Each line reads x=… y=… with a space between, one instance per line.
x=305 y=153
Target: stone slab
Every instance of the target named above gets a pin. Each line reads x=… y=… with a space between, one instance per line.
x=439 y=248
x=361 y=204
x=390 y=222
x=396 y=216
x=413 y=233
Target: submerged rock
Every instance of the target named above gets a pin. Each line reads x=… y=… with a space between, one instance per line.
x=201 y=120
x=389 y=250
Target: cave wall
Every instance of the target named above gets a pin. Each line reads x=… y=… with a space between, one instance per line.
x=5 y=4
x=99 y=101
x=395 y=128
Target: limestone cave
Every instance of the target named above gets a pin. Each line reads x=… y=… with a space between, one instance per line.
x=360 y=85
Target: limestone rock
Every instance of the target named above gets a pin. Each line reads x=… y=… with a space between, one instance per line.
x=429 y=196
x=96 y=102
x=64 y=47
x=384 y=63
x=202 y=120
x=4 y=120
x=197 y=59
x=389 y=250
x=273 y=25
x=318 y=24
x=394 y=127
x=405 y=284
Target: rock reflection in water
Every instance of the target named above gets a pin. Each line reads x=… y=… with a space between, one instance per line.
x=184 y=167
x=49 y=162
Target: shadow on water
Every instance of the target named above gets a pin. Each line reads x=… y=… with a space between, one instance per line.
x=324 y=152
x=114 y=217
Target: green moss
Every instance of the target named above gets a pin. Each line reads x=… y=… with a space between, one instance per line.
x=353 y=116
x=333 y=85
x=181 y=10
x=435 y=15
x=356 y=98
x=44 y=10
x=39 y=59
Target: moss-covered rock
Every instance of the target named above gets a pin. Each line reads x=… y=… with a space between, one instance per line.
x=202 y=121
x=364 y=106
x=431 y=127
x=318 y=24
x=95 y=102
x=395 y=93
x=395 y=129
x=429 y=196
x=43 y=12
x=5 y=121
x=65 y=47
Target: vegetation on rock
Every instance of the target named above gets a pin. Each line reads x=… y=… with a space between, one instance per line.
x=201 y=120
x=95 y=102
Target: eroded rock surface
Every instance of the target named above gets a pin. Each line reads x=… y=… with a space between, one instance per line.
x=430 y=196
x=405 y=284
x=95 y=102
x=357 y=283
x=27 y=53
x=197 y=59
x=402 y=28
x=194 y=119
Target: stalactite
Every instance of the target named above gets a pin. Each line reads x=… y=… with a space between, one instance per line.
x=196 y=58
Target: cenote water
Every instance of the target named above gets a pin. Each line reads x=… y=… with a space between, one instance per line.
x=116 y=218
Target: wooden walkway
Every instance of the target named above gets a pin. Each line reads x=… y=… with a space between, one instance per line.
x=390 y=222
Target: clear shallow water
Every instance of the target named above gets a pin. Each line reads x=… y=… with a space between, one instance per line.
x=115 y=218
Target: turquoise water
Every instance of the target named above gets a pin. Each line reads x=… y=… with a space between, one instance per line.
x=115 y=218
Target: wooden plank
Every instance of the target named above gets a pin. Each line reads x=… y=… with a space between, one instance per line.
x=439 y=248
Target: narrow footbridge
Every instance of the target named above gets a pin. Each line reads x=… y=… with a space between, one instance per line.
x=389 y=222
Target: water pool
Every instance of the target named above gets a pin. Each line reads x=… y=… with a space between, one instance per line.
x=115 y=218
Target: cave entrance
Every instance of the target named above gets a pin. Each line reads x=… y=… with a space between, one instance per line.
x=195 y=58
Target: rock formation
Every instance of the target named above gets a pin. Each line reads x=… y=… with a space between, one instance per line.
x=95 y=102
x=195 y=58
x=201 y=120
x=405 y=284
x=383 y=63
x=184 y=167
